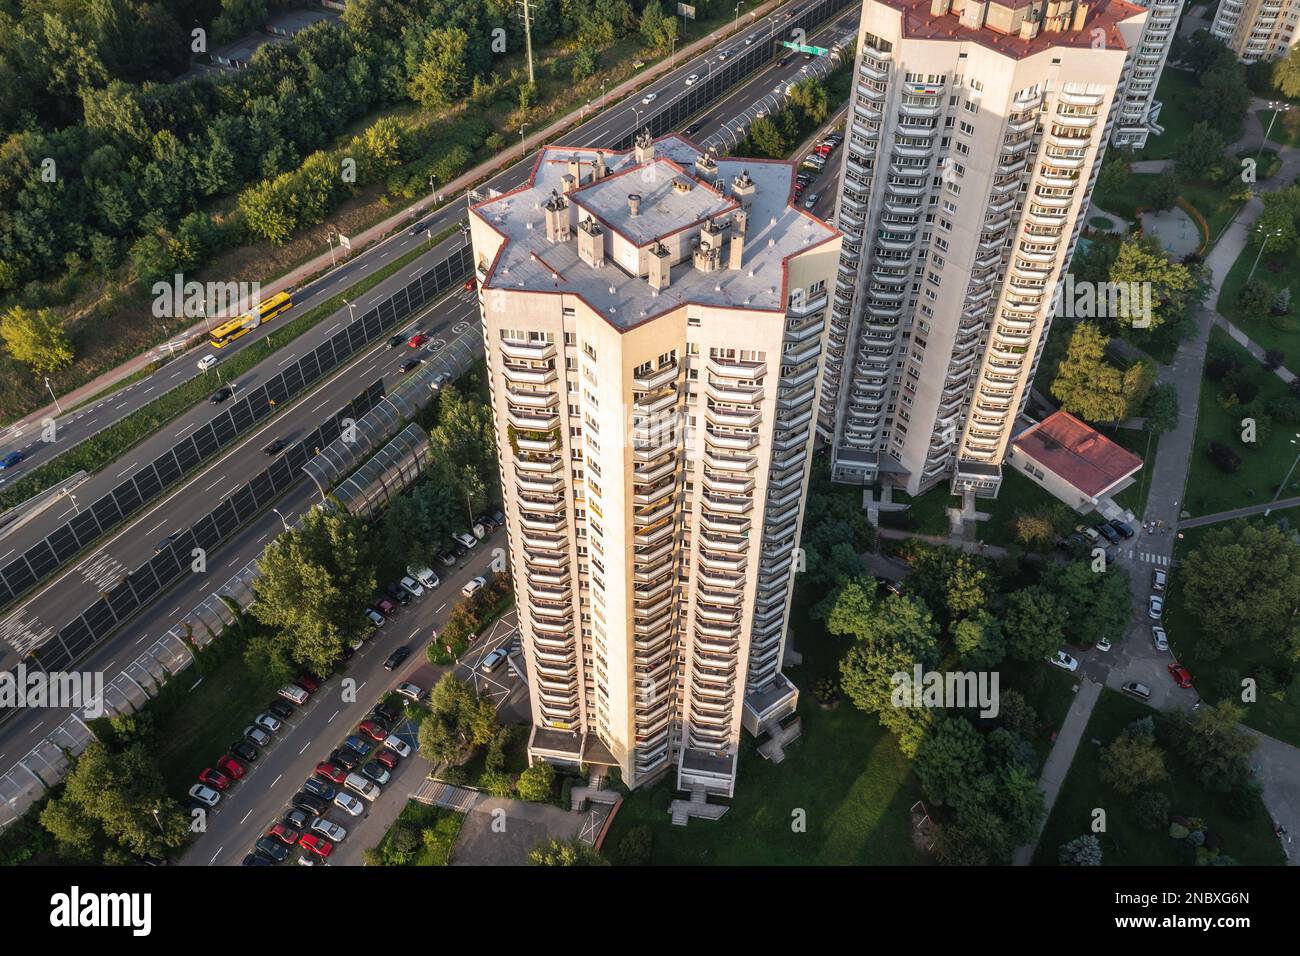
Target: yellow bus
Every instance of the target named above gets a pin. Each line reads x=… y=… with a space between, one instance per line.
x=227 y=332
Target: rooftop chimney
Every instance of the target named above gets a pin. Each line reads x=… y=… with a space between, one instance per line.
x=742 y=187
x=568 y=183
x=706 y=168
x=737 y=250
x=645 y=147
x=660 y=274
x=599 y=174
x=557 y=218
x=591 y=243
x=633 y=204
x=575 y=169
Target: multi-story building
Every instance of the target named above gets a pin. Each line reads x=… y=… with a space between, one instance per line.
x=654 y=324
x=975 y=134
x=1139 y=113
x=1257 y=29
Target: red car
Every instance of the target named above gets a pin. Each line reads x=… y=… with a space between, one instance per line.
x=330 y=772
x=470 y=284
x=416 y=340
x=307 y=683
x=286 y=835
x=314 y=844
x=215 y=778
x=386 y=607
x=232 y=767
x=372 y=730
x=1181 y=675
x=389 y=759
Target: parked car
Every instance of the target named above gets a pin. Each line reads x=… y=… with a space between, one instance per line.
x=1158 y=579
x=473 y=586
x=385 y=713
x=361 y=785
x=459 y=549
x=272 y=848
x=1181 y=675
x=810 y=201
x=1137 y=690
x=244 y=750
x=385 y=607
x=257 y=859
x=439 y=380
x=395 y=659
x=395 y=593
x=316 y=844
x=319 y=788
x=284 y=834
x=347 y=759
x=231 y=767
x=355 y=743
x=205 y=795
x=1103 y=645
x=330 y=771
x=375 y=772
x=411 y=587
x=493 y=660
x=215 y=778
x=307 y=682
x=1064 y=661
x=424 y=575
x=350 y=804
x=467 y=539
x=256 y=736
x=409 y=691
x=447 y=558
x=282 y=709
x=1090 y=533
x=267 y=723
x=329 y=830
x=372 y=730
x=388 y=758
x=308 y=803
x=294 y=693
x=1123 y=527
x=1155 y=607
x=296 y=819
x=374 y=617
x=397 y=745
x=1109 y=533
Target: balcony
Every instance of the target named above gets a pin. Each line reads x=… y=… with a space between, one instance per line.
x=527 y=351
x=650 y=381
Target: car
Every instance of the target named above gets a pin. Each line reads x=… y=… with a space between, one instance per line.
x=1158 y=579
x=410 y=691
x=273 y=849
x=397 y=745
x=377 y=718
x=1103 y=645
x=166 y=542
x=467 y=539
x=293 y=694
x=890 y=587
x=374 y=617
x=499 y=517
x=471 y=284
x=722 y=57
x=447 y=558
x=692 y=129
x=12 y=459
x=749 y=40
x=439 y=380
x=493 y=660
x=205 y=795
x=1076 y=540
x=371 y=730
x=329 y=830
x=416 y=340
x=473 y=586
x=693 y=79
x=1092 y=534
x=784 y=60
x=385 y=607
x=395 y=593
x=1181 y=675
x=1137 y=689
x=215 y=778
x=649 y=98
x=1155 y=607
x=330 y=771
x=387 y=711
x=1123 y=527
x=411 y=586
x=286 y=835
x=206 y=363
x=256 y=736
x=350 y=650
x=395 y=659
x=349 y=803
x=389 y=758
x=410 y=365
x=1159 y=638
x=810 y=201
x=396 y=340
x=416 y=228
x=274 y=448
x=296 y=819
x=282 y=709
x=1064 y=661
x=267 y=723
x=231 y=767
x=358 y=745
x=244 y=751
x=344 y=758
x=308 y=803
x=319 y=788
x=1109 y=533
x=458 y=549
x=220 y=395
x=316 y=844
x=307 y=682
x=424 y=575
x=373 y=771
x=257 y=859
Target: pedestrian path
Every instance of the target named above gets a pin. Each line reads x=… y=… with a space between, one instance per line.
x=1247 y=511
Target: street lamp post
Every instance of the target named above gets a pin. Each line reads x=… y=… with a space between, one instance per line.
x=636 y=112
x=737 y=21
x=602 y=93
x=1263 y=244
x=333 y=261
x=1287 y=480
x=282 y=521
x=523 y=150
x=1276 y=108
x=57 y=406
x=73 y=499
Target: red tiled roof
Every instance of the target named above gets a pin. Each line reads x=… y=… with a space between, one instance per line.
x=1076 y=452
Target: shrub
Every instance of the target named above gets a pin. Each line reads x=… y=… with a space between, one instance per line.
x=536 y=782
x=1273 y=359
x=1152 y=809
x=1224 y=458
x=636 y=847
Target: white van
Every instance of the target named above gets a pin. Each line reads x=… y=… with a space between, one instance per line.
x=294 y=693
x=359 y=784
x=207 y=362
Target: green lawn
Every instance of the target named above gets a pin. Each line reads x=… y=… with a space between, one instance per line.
x=445 y=826
x=1210 y=199
x=1143 y=444
x=1271 y=332
x=1286 y=128
x=927 y=513
x=1124 y=842
x=1019 y=494
x=1264 y=463
x=1177 y=91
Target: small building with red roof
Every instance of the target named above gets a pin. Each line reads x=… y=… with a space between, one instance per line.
x=1073 y=461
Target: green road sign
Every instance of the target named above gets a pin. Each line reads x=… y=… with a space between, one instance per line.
x=802 y=48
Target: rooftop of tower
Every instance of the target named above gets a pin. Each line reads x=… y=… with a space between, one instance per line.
x=663 y=202
x=1054 y=23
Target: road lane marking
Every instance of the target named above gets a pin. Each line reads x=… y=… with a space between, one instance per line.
x=214 y=484
x=304 y=747
x=332 y=716
x=275 y=781
x=128 y=468
x=246 y=816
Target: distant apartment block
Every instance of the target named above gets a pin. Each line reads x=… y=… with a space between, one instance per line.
x=654 y=324
x=974 y=140
x=1257 y=29
x=1139 y=113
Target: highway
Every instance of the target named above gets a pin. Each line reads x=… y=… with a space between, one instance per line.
x=43 y=612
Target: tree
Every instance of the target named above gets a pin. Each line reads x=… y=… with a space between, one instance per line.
x=1114 y=172
x=636 y=848
x=437 y=742
x=1275 y=227
x=1285 y=76
x=978 y=639
x=585 y=63
x=1161 y=408
x=1174 y=287
x=1254 y=298
x=657 y=30
x=1163 y=193
x=1032 y=623
x=1132 y=762
x=557 y=852
x=536 y=782
x=1081 y=851
x=441 y=74
x=314 y=584
x=36 y=338
x=1213 y=742
x=951 y=756
x=766 y=138
x=1242 y=583
x=1099 y=603
x=1086 y=384
x=1201 y=155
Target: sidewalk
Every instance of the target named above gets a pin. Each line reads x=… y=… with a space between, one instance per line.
x=1239 y=513
x=321 y=264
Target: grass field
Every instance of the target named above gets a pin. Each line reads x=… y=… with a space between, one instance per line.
x=1286 y=128
x=926 y=514
x=1177 y=90
x=1271 y=332
x=1124 y=842
x=1264 y=463
x=1144 y=445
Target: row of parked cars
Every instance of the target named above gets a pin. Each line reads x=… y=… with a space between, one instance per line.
x=1113 y=531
